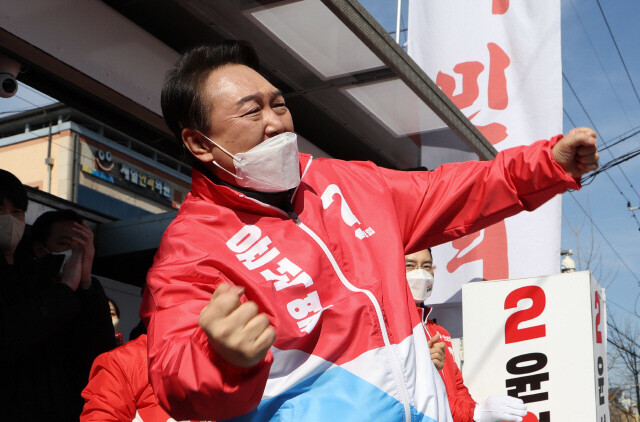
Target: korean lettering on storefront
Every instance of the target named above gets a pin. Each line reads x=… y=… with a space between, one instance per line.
x=145 y=180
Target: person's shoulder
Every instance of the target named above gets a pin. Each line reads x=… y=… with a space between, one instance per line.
x=186 y=218
x=132 y=353
x=440 y=329
x=342 y=166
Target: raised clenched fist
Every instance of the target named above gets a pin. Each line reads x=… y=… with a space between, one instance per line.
x=577 y=152
x=237 y=332
x=436 y=347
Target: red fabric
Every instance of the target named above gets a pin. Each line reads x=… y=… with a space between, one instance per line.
x=461 y=403
x=405 y=212
x=119 y=387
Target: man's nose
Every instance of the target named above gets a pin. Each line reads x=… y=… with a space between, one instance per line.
x=274 y=125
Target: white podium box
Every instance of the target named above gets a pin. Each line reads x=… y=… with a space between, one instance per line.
x=541 y=339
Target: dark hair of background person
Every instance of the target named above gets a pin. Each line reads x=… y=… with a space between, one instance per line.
x=41 y=228
x=12 y=189
x=115 y=306
x=182 y=100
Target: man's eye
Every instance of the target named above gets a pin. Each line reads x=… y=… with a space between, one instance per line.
x=252 y=111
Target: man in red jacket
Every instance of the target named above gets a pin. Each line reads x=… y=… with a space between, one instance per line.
x=278 y=292
x=119 y=389
x=419 y=267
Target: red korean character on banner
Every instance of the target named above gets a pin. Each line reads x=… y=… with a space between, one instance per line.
x=492 y=250
x=497 y=93
x=500 y=7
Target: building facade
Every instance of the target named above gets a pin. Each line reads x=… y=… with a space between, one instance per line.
x=62 y=152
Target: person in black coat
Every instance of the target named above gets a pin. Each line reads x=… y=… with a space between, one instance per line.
x=54 y=316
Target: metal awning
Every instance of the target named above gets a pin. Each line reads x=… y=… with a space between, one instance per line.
x=353 y=91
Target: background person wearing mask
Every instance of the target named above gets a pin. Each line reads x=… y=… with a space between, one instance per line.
x=419 y=271
x=115 y=319
x=48 y=337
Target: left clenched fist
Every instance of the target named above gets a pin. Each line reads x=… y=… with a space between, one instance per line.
x=577 y=152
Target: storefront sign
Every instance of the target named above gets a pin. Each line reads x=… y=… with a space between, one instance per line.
x=129 y=177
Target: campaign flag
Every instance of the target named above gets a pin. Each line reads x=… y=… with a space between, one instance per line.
x=500 y=63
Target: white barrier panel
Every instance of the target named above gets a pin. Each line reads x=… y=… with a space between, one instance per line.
x=542 y=339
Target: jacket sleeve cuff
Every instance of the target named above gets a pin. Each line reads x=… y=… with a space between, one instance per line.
x=574 y=182
x=232 y=372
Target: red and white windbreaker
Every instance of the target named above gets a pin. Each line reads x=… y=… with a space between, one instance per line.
x=119 y=389
x=350 y=344
x=461 y=404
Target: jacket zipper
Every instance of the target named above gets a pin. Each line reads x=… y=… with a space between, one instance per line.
x=423 y=321
x=396 y=366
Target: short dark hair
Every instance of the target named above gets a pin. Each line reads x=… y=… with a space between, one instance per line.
x=182 y=101
x=41 y=228
x=12 y=189
x=115 y=306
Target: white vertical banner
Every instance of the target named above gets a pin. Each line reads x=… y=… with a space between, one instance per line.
x=500 y=63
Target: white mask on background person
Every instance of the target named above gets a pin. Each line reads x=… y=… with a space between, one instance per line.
x=271 y=166
x=421 y=284
x=67 y=256
x=11 y=231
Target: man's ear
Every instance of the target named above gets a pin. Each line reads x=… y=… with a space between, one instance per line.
x=197 y=145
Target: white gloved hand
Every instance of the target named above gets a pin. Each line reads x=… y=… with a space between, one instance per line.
x=500 y=408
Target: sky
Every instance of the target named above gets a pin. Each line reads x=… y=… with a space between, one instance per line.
x=597 y=92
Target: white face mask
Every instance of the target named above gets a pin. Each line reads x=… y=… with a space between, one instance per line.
x=421 y=284
x=66 y=254
x=11 y=231
x=271 y=166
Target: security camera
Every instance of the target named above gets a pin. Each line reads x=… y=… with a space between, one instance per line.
x=9 y=70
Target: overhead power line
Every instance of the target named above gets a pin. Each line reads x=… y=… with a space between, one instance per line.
x=605 y=238
x=593 y=125
x=624 y=137
x=616 y=161
x=611 y=302
x=604 y=72
x=618 y=50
